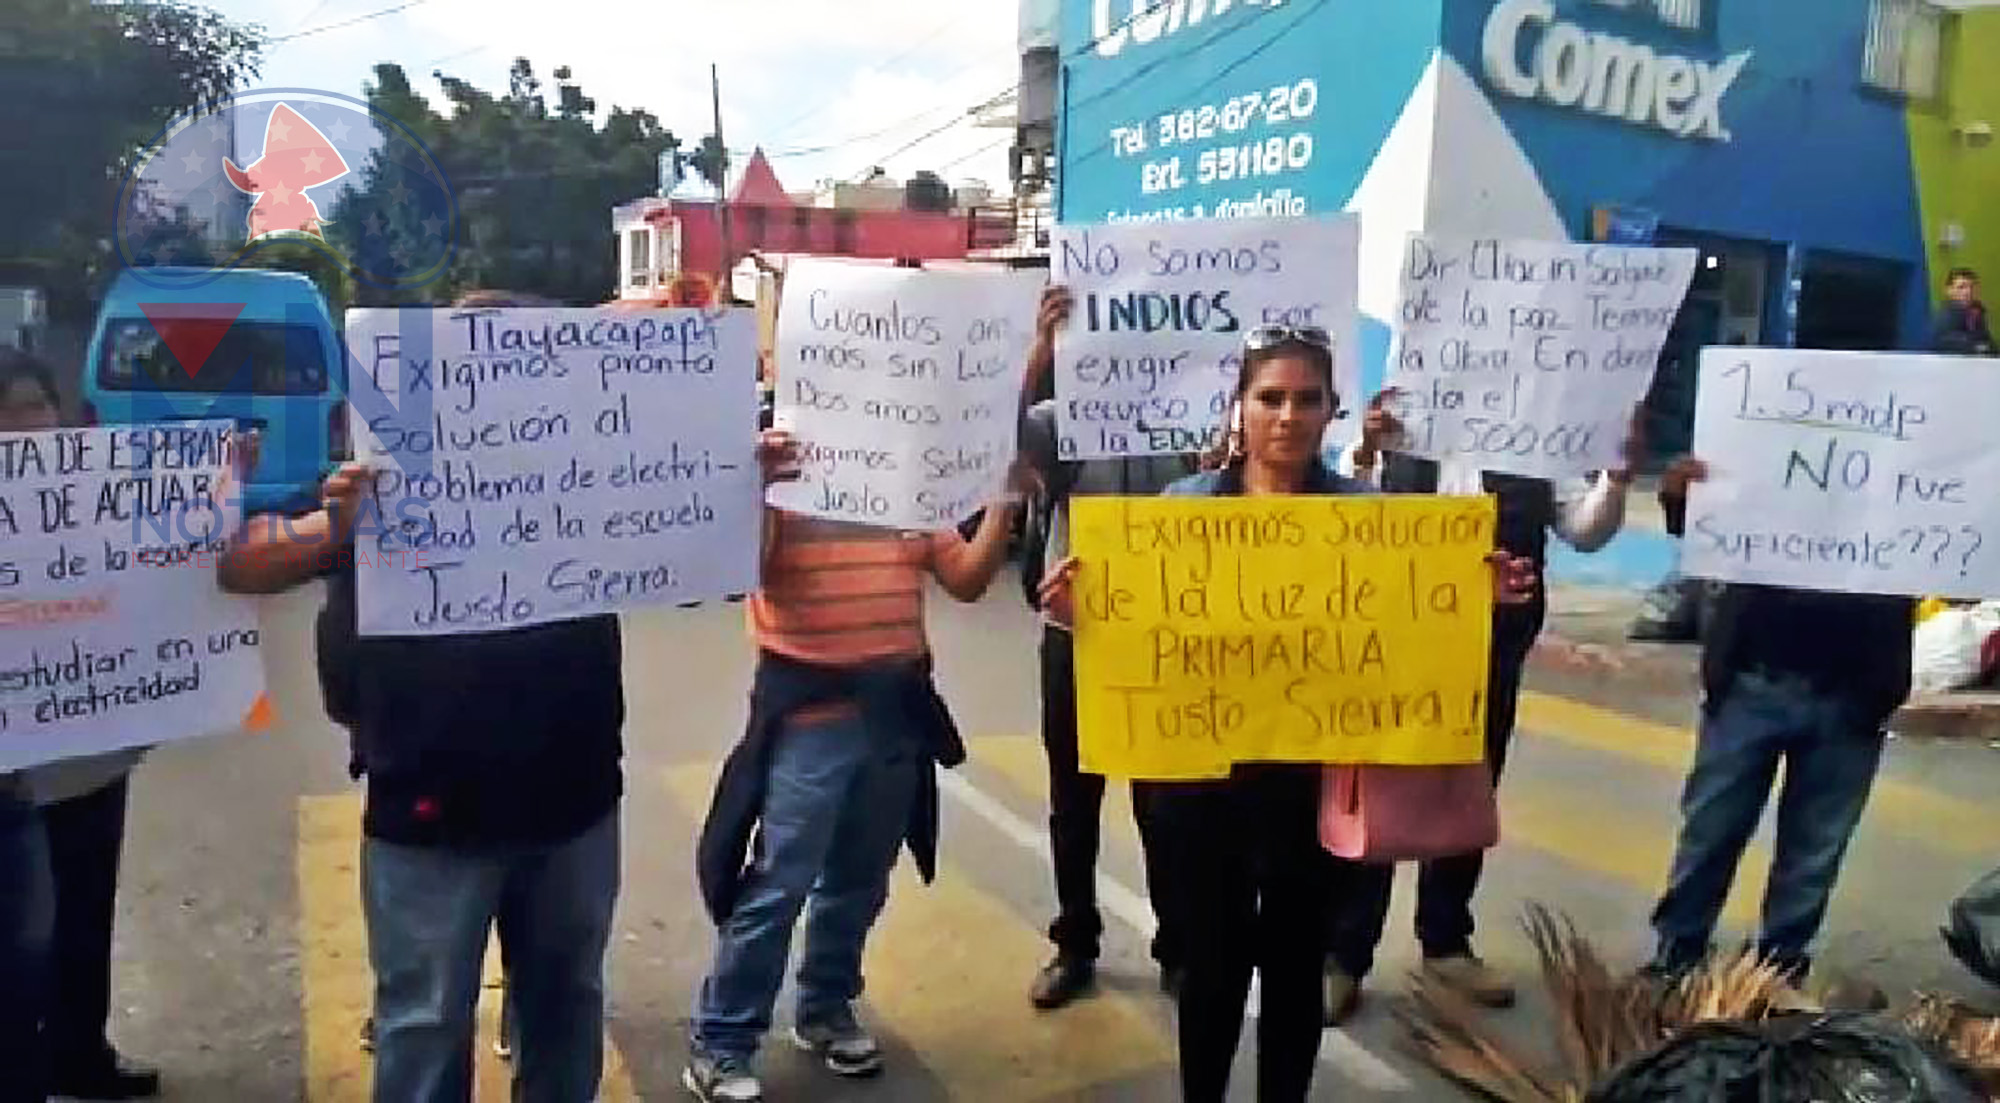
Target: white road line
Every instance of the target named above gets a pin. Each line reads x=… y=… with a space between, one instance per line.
x=1337 y=1048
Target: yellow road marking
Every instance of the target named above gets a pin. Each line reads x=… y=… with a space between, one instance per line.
x=948 y=972
x=1909 y=810
x=1560 y=821
x=338 y=985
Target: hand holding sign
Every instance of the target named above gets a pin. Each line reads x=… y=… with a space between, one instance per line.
x=903 y=388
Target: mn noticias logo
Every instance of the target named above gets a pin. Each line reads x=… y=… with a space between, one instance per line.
x=216 y=187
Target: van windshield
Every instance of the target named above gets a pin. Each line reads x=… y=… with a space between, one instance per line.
x=263 y=358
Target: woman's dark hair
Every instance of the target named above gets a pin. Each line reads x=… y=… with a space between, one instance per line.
x=16 y=366
x=1226 y=451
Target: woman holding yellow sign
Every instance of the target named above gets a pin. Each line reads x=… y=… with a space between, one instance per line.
x=1257 y=881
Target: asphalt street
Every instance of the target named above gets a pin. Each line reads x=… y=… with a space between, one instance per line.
x=242 y=964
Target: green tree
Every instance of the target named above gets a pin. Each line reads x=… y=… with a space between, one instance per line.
x=83 y=86
x=535 y=176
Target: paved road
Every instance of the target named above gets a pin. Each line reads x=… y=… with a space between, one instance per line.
x=242 y=966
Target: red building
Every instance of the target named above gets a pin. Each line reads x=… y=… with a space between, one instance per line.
x=661 y=239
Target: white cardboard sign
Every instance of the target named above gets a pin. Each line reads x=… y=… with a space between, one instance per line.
x=113 y=632
x=903 y=387
x=1152 y=352
x=536 y=465
x=1847 y=471
x=1529 y=356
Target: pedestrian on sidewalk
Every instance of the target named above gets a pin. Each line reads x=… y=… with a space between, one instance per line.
x=493 y=782
x=1076 y=799
x=1585 y=516
x=835 y=772
x=1254 y=890
x=81 y=805
x=1962 y=327
x=1800 y=678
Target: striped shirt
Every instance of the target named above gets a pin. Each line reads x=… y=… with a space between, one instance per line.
x=844 y=595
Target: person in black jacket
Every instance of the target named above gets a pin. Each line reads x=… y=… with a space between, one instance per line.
x=1793 y=677
x=1586 y=514
x=1961 y=326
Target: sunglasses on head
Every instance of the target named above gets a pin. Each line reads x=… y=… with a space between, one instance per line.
x=1266 y=337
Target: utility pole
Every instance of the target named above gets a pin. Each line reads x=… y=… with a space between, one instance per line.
x=723 y=282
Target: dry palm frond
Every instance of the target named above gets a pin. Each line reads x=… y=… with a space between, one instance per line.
x=1731 y=989
x=1601 y=1020
x=1971 y=1037
x=1450 y=1033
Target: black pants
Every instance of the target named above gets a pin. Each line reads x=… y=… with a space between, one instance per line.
x=1076 y=803
x=1248 y=851
x=86 y=837
x=1445 y=886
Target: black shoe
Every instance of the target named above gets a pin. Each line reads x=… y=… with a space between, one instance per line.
x=110 y=1078
x=1061 y=981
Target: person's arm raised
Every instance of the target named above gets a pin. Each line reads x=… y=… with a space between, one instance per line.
x=273 y=553
x=965 y=568
x=1052 y=316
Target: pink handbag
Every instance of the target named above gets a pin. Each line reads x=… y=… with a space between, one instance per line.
x=1407 y=813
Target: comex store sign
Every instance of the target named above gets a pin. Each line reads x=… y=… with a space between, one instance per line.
x=1604 y=74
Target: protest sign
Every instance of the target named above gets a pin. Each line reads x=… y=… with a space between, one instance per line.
x=536 y=465
x=903 y=387
x=1846 y=471
x=1212 y=631
x=1149 y=360
x=113 y=632
x=1529 y=356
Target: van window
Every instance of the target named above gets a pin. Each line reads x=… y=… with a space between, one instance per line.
x=264 y=358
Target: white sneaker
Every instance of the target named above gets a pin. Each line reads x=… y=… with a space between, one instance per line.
x=714 y=1079
x=847 y=1049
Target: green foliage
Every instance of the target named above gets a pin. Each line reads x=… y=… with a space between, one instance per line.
x=535 y=177
x=83 y=87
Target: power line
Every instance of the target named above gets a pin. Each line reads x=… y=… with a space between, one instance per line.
x=408 y=4
x=956 y=120
x=1079 y=51
x=824 y=105
x=987 y=148
x=892 y=128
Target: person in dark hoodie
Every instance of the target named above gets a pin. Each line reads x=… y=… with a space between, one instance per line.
x=1076 y=798
x=1961 y=326
x=834 y=774
x=1798 y=678
x=493 y=770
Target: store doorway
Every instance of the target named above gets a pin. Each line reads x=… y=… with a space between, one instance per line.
x=1725 y=306
x=1848 y=302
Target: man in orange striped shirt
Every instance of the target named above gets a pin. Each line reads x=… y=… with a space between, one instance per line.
x=834 y=774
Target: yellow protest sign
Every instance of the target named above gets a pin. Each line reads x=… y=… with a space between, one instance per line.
x=1212 y=631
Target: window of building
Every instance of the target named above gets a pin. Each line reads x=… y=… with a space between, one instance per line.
x=1684 y=14
x=1905 y=52
x=639 y=256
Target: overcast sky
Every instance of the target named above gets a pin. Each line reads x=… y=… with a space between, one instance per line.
x=866 y=76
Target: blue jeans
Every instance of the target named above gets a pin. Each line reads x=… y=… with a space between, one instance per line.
x=1830 y=755
x=27 y=918
x=836 y=806
x=429 y=910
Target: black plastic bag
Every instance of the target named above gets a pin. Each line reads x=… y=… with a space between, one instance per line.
x=1974 y=932
x=1840 y=1058
x=1675 y=610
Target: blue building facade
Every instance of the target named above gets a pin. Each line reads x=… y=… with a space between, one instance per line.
x=1742 y=127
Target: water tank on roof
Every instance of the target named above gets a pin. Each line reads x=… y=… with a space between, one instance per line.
x=1040 y=24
